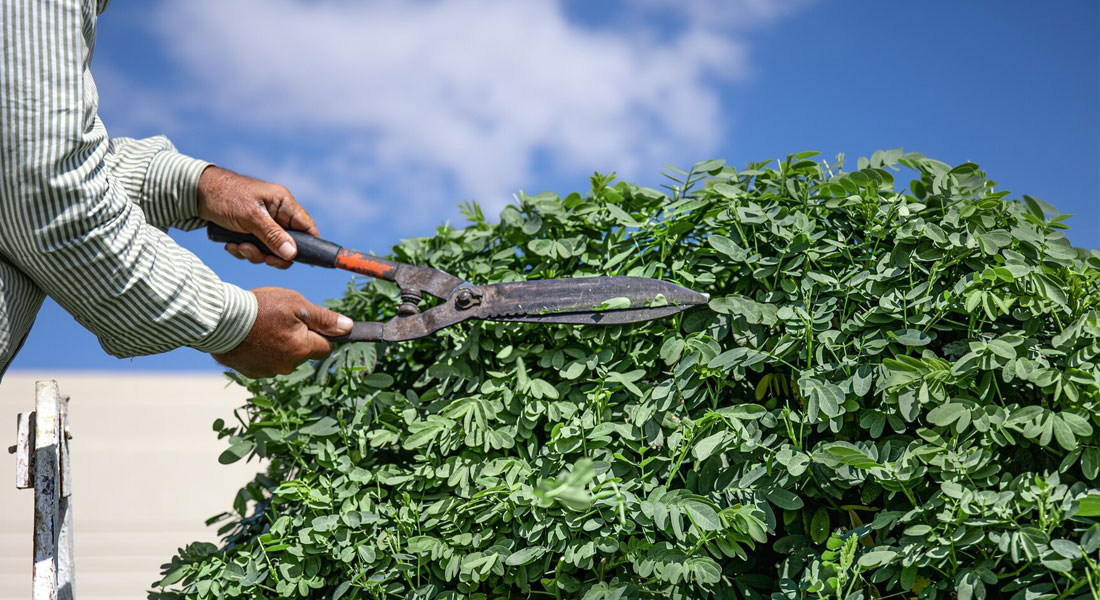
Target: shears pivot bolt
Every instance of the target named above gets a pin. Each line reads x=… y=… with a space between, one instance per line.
x=410 y=299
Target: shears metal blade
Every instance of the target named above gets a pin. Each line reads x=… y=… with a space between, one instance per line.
x=613 y=300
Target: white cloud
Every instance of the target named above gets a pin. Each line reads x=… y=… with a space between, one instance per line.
x=468 y=94
x=325 y=183
x=724 y=14
x=139 y=109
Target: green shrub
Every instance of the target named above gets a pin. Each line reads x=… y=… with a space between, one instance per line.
x=893 y=394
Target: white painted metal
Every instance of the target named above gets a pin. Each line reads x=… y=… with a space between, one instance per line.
x=64 y=470
x=24 y=429
x=46 y=490
x=66 y=571
x=47 y=470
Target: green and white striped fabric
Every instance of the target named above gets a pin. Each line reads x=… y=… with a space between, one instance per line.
x=82 y=216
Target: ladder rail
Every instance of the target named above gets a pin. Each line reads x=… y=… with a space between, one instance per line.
x=42 y=463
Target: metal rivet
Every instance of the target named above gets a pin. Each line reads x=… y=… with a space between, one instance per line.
x=466 y=298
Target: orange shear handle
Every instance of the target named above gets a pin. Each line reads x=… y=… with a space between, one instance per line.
x=315 y=251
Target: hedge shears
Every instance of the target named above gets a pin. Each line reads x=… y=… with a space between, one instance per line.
x=613 y=300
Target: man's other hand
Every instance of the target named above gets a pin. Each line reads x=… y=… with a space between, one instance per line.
x=253 y=206
x=288 y=331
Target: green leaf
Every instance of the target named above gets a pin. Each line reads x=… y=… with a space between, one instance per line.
x=783 y=498
x=911 y=337
x=421 y=433
x=708 y=166
x=377 y=380
x=704 y=570
x=876 y=558
x=702 y=515
x=573 y=370
x=946 y=414
x=727 y=359
x=918 y=530
x=541 y=388
x=968 y=585
x=1002 y=348
x=1077 y=424
x=522 y=381
x=862 y=380
x=541 y=247
x=819 y=525
x=823 y=396
x=524 y=556
x=236 y=452
x=324 y=522
x=671 y=350
x=173 y=576
x=751 y=311
x=1090 y=462
x=1089 y=506
x=726 y=246
x=1066 y=548
x=621 y=216
x=617 y=303
x=852 y=456
x=1062 y=433
x=705 y=447
x=744 y=410
x=321 y=427
x=627 y=380
x=341 y=590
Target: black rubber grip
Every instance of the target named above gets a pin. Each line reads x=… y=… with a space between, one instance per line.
x=311 y=250
x=362 y=331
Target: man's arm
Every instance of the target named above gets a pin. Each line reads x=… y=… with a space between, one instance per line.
x=82 y=240
x=159 y=179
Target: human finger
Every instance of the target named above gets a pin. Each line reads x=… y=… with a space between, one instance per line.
x=324 y=321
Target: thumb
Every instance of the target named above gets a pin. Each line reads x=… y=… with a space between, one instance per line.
x=272 y=235
x=324 y=321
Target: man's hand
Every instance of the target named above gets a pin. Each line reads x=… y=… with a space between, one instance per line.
x=252 y=206
x=288 y=331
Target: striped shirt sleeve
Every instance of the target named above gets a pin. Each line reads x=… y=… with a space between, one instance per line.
x=76 y=230
x=163 y=182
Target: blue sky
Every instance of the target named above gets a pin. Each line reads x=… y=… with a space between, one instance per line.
x=382 y=116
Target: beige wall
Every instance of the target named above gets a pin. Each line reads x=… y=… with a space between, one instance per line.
x=145 y=475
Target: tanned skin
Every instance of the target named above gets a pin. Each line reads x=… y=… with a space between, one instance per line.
x=288 y=329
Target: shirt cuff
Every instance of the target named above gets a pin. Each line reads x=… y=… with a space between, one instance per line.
x=235 y=323
x=172 y=189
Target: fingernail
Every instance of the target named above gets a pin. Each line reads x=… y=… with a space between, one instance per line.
x=343 y=324
x=286 y=251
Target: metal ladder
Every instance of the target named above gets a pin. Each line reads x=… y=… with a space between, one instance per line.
x=42 y=463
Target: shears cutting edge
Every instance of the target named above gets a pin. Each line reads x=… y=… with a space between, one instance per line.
x=579 y=301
